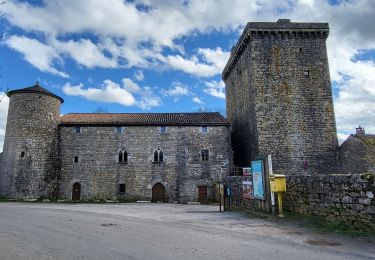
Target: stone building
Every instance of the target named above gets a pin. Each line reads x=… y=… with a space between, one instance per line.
x=149 y=156
x=357 y=153
x=279 y=98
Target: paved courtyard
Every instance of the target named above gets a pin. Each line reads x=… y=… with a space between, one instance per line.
x=160 y=231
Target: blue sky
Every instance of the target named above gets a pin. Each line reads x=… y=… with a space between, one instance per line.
x=167 y=56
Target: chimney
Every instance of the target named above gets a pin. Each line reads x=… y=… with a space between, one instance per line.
x=359 y=131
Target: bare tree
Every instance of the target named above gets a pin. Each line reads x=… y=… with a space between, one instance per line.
x=101 y=109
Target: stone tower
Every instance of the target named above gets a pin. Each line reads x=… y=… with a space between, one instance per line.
x=279 y=98
x=30 y=154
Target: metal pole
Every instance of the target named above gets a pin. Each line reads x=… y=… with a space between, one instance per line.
x=280 y=199
x=220 y=197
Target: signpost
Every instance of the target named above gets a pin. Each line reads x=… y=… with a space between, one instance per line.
x=258 y=179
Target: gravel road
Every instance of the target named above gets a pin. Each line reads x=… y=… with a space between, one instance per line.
x=160 y=231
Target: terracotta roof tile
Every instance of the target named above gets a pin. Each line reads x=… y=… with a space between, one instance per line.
x=143 y=119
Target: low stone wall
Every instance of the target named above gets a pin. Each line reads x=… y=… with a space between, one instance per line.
x=345 y=198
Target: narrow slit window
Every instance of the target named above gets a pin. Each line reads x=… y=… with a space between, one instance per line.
x=156 y=156
x=306 y=73
x=75 y=159
x=120 y=157
x=22 y=154
x=204 y=155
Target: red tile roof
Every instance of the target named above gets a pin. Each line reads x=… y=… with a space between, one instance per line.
x=143 y=119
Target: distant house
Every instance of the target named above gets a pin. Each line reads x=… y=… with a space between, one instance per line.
x=357 y=153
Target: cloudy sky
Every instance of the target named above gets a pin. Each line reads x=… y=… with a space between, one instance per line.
x=167 y=56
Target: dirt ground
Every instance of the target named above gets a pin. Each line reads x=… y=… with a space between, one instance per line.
x=162 y=231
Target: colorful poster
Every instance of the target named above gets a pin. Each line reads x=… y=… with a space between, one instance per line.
x=258 y=179
x=247 y=187
x=246 y=171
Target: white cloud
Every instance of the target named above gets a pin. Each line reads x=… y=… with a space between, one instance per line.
x=110 y=92
x=138 y=75
x=176 y=91
x=135 y=37
x=129 y=94
x=39 y=55
x=215 y=88
x=197 y=100
x=85 y=53
x=4 y=104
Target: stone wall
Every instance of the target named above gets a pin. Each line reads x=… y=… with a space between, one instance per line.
x=182 y=171
x=357 y=154
x=341 y=198
x=279 y=98
x=30 y=156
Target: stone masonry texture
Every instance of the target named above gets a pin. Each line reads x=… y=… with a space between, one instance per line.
x=338 y=197
x=357 y=154
x=181 y=172
x=30 y=158
x=44 y=155
x=279 y=98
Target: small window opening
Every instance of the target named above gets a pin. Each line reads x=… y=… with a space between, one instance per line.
x=158 y=156
x=300 y=49
x=78 y=130
x=50 y=116
x=163 y=129
x=204 y=129
x=119 y=129
x=205 y=155
x=306 y=73
x=122 y=188
x=75 y=159
x=22 y=154
x=123 y=156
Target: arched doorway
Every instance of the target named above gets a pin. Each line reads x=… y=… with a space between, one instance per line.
x=158 y=193
x=76 y=193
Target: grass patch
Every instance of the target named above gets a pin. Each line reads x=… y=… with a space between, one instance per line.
x=321 y=225
x=3 y=199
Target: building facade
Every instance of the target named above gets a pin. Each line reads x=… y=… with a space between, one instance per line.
x=150 y=156
x=279 y=98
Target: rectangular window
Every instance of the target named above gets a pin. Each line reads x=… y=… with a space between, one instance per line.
x=306 y=73
x=22 y=154
x=204 y=129
x=78 y=130
x=75 y=159
x=163 y=129
x=119 y=129
x=121 y=188
x=205 y=155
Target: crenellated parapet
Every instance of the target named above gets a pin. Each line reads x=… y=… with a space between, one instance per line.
x=282 y=29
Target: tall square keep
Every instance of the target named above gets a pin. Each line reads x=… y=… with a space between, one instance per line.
x=279 y=97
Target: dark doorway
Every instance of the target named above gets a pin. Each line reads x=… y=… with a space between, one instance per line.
x=76 y=193
x=202 y=194
x=158 y=193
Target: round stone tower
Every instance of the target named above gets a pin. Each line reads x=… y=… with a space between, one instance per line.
x=30 y=154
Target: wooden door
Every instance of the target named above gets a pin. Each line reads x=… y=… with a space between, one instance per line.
x=158 y=193
x=76 y=193
x=202 y=193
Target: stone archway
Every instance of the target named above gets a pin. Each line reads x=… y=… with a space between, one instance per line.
x=158 y=192
x=76 y=192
